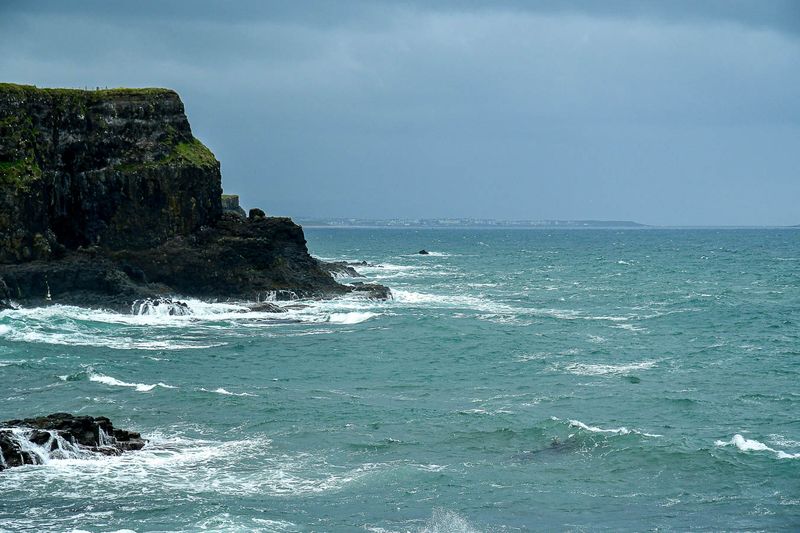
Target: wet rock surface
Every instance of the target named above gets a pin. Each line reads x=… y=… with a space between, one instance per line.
x=343 y=268
x=33 y=441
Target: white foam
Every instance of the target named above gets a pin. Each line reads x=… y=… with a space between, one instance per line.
x=752 y=445
x=615 y=431
x=582 y=369
x=629 y=327
x=780 y=440
x=225 y=392
x=453 y=301
x=114 y=382
x=350 y=318
x=444 y=521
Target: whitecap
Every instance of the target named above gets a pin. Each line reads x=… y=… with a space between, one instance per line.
x=615 y=431
x=780 y=440
x=629 y=327
x=444 y=521
x=225 y=392
x=114 y=382
x=582 y=369
x=418 y=299
x=350 y=318
x=752 y=445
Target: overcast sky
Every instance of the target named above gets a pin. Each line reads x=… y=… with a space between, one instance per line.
x=673 y=113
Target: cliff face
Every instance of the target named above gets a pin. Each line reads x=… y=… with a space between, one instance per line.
x=106 y=198
x=115 y=168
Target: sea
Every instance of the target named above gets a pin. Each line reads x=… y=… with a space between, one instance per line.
x=519 y=380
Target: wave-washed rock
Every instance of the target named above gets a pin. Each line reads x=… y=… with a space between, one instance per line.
x=106 y=197
x=33 y=441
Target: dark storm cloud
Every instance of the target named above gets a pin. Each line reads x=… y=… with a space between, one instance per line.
x=665 y=112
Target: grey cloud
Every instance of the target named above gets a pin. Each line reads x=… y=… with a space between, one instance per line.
x=664 y=112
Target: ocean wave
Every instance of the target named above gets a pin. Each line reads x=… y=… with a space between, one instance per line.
x=432 y=254
x=780 y=440
x=175 y=462
x=444 y=521
x=155 y=329
x=614 y=431
x=752 y=445
x=350 y=318
x=629 y=327
x=583 y=369
x=457 y=301
x=114 y=382
x=225 y=392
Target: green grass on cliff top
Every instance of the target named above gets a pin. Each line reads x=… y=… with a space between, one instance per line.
x=22 y=90
x=195 y=153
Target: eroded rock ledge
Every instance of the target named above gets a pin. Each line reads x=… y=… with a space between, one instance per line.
x=106 y=197
x=33 y=441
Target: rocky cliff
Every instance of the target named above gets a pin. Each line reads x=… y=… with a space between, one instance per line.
x=107 y=197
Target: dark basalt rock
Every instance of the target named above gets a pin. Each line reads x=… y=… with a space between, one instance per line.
x=256 y=214
x=5 y=296
x=342 y=268
x=107 y=198
x=81 y=434
x=373 y=291
x=237 y=259
x=267 y=307
x=230 y=204
x=424 y=252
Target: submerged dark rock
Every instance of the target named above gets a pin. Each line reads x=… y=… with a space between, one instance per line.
x=373 y=291
x=342 y=268
x=267 y=307
x=556 y=446
x=106 y=198
x=36 y=440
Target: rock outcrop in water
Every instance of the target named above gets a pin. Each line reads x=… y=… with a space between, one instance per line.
x=106 y=197
x=33 y=441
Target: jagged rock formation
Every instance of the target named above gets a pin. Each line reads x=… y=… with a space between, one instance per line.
x=106 y=197
x=230 y=204
x=33 y=441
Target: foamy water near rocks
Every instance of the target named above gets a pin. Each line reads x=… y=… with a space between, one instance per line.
x=35 y=441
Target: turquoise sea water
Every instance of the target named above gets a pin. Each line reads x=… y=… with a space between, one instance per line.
x=520 y=380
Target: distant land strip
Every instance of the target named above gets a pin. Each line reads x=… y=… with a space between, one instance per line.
x=464 y=223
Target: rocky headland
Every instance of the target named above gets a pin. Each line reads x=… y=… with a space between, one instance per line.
x=106 y=198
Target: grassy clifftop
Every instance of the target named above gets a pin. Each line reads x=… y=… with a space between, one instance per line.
x=109 y=167
x=31 y=90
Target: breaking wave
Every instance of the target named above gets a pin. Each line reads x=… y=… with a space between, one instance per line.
x=114 y=382
x=752 y=445
x=615 y=431
x=444 y=521
x=583 y=369
x=225 y=392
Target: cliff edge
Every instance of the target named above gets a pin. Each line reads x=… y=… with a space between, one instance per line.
x=106 y=197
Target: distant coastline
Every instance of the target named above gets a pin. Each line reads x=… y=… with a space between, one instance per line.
x=475 y=223
x=463 y=223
